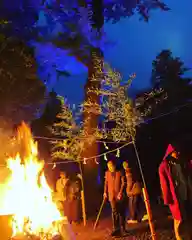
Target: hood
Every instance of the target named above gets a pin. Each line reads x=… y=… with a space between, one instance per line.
x=169 y=150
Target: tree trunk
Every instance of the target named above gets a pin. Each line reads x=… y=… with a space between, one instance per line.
x=95 y=67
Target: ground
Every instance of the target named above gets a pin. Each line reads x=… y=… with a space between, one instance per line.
x=136 y=232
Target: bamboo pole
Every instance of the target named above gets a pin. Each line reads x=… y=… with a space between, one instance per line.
x=83 y=208
x=149 y=213
x=83 y=197
x=146 y=197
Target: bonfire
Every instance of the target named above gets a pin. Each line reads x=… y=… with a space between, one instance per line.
x=27 y=197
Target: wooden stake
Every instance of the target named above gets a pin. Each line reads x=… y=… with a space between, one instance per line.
x=83 y=208
x=145 y=195
x=149 y=213
x=83 y=196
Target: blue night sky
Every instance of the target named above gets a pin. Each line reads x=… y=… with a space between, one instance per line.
x=137 y=44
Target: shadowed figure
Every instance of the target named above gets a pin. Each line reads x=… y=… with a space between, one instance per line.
x=176 y=184
x=113 y=189
x=133 y=191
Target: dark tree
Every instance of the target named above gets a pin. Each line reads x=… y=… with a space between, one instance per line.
x=170 y=87
x=52 y=109
x=21 y=92
x=40 y=126
x=168 y=73
x=168 y=105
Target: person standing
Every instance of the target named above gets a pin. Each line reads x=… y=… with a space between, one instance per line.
x=73 y=200
x=113 y=189
x=61 y=192
x=133 y=191
x=176 y=184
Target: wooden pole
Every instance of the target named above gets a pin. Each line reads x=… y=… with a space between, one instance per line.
x=83 y=197
x=149 y=213
x=146 y=197
x=83 y=208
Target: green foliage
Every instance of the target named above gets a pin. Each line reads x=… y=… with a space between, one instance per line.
x=21 y=92
x=118 y=118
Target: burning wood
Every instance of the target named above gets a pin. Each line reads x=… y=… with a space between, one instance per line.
x=57 y=237
x=28 y=197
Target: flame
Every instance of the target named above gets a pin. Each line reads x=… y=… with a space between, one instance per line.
x=28 y=197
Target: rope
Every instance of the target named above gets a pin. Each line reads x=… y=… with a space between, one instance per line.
x=59 y=139
x=84 y=159
x=168 y=113
x=145 y=122
x=100 y=155
x=93 y=157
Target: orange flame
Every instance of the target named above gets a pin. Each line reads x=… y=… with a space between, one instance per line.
x=28 y=197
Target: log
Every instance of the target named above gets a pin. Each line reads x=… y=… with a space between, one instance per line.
x=25 y=238
x=65 y=230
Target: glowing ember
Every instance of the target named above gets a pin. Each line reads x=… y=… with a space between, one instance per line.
x=27 y=196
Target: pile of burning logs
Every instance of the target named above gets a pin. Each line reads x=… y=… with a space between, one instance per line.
x=64 y=229
x=32 y=237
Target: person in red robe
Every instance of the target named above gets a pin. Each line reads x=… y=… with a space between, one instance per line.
x=176 y=184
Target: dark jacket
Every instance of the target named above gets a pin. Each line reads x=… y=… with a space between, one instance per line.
x=132 y=187
x=114 y=184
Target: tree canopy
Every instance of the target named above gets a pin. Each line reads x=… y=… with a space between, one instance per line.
x=168 y=73
x=68 y=23
x=21 y=92
x=117 y=115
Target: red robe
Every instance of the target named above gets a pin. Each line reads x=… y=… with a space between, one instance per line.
x=167 y=186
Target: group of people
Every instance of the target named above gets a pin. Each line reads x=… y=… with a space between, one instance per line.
x=124 y=191
x=175 y=175
x=119 y=187
x=68 y=196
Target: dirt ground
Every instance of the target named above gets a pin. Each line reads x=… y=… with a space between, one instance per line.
x=138 y=231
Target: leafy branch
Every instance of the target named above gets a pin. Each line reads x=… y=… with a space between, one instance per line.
x=118 y=116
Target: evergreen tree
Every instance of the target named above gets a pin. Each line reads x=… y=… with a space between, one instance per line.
x=170 y=87
x=168 y=73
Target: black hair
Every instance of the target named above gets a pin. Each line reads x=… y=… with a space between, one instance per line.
x=112 y=161
x=125 y=161
x=61 y=171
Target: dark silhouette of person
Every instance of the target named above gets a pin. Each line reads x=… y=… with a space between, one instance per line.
x=113 y=190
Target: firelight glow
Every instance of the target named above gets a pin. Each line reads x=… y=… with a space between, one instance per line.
x=28 y=197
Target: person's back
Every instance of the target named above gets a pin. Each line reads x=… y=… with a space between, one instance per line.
x=73 y=198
